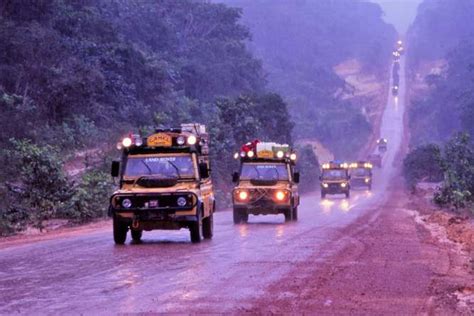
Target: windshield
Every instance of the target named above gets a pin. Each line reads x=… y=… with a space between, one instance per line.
x=334 y=174
x=165 y=167
x=360 y=172
x=267 y=171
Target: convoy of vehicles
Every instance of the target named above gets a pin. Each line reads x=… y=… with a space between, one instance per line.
x=361 y=174
x=266 y=183
x=335 y=179
x=164 y=184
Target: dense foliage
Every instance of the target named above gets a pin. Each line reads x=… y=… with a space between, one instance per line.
x=76 y=75
x=439 y=27
x=423 y=164
x=443 y=30
x=300 y=42
x=458 y=167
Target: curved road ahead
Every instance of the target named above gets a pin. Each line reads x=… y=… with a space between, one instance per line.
x=86 y=273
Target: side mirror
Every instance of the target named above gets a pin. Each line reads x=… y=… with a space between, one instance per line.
x=115 y=170
x=203 y=170
x=296 y=177
x=235 y=177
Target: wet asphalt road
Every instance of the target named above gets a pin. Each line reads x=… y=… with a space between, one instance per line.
x=86 y=273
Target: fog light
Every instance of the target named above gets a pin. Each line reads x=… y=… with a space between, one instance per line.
x=126 y=203
x=182 y=201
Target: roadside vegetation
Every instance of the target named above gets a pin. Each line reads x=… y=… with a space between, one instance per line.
x=441 y=117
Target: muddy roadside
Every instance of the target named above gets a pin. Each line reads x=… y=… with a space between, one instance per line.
x=387 y=261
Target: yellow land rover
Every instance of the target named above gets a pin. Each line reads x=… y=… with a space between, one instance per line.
x=335 y=179
x=164 y=184
x=266 y=182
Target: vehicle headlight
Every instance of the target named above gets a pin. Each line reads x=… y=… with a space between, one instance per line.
x=181 y=201
x=127 y=142
x=180 y=140
x=192 y=140
x=243 y=195
x=280 y=195
x=367 y=180
x=325 y=185
x=343 y=185
x=126 y=203
x=250 y=154
x=280 y=154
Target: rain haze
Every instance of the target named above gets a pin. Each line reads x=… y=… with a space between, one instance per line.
x=400 y=13
x=234 y=157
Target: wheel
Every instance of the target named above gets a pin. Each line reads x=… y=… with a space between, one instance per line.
x=195 y=229
x=288 y=214
x=295 y=213
x=348 y=194
x=208 y=226
x=120 y=231
x=370 y=187
x=323 y=195
x=136 y=235
x=240 y=216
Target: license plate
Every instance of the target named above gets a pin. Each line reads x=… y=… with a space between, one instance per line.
x=159 y=140
x=153 y=203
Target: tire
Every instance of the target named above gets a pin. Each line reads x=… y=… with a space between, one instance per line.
x=136 y=235
x=348 y=194
x=288 y=214
x=208 y=226
x=323 y=195
x=120 y=231
x=370 y=187
x=295 y=213
x=195 y=229
x=240 y=216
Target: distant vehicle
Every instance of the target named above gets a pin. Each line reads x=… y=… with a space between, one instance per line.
x=361 y=174
x=396 y=55
x=400 y=48
x=375 y=160
x=164 y=184
x=266 y=182
x=335 y=179
x=395 y=90
x=382 y=145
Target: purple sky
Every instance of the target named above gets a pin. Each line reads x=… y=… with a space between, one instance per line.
x=400 y=13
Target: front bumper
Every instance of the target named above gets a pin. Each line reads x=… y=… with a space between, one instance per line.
x=262 y=207
x=335 y=188
x=161 y=210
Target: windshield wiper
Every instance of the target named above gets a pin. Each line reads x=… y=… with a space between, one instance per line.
x=147 y=166
x=176 y=168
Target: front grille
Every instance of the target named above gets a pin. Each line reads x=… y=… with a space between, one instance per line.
x=156 y=201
